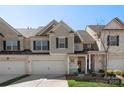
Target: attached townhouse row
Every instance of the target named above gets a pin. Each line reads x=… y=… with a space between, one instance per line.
x=57 y=49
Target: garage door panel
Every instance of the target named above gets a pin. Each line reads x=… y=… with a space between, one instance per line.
x=48 y=67
x=12 y=67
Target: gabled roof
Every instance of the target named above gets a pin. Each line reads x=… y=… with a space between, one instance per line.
x=46 y=28
x=96 y=28
x=64 y=24
x=52 y=26
x=27 y=32
x=118 y=21
x=85 y=36
x=3 y=21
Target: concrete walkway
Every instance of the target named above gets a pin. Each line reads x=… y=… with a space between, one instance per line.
x=4 y=78
x=42 y=81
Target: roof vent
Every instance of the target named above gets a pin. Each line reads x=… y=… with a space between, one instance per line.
x=29 y=27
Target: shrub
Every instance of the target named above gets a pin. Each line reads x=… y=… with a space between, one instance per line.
x=111 y=73
x=122 y=73
x=101 y=71
x=117 y=72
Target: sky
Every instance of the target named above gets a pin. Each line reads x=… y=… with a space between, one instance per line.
x=77 y=17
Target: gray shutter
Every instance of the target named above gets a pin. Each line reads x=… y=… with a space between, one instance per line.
x=34 y=45
x=66 y=42
x=117 y=40
x=4 y=45
x=108 y=40
x=57 y=42
x=18 y=45
x=48 y=44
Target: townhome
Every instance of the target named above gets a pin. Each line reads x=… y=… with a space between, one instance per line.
x=110 y=38
x=57 y=49
x=44 y=50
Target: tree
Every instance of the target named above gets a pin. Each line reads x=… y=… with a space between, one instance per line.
x=105 y=47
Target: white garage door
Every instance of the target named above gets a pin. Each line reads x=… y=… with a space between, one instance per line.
x=11 y=67
x=116 y=63
x=49 y=67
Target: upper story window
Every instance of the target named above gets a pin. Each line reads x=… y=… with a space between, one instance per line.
x=61 y=42
x=87 y=46
x=113 y=40
x=41 y=45
x=11 y=45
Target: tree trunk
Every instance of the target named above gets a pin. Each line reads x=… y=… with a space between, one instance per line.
x=106 y=61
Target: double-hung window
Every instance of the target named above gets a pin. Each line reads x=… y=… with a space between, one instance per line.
x=37 y=45
x=11 y=45
x=113 y=40
x=44 y=45
x=41 y=45
x=87 y=46
x=61 y=43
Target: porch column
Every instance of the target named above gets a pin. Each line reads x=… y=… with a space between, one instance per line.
x=76 y=60
x=89 y=61
x=68 y=61
x=85 y=64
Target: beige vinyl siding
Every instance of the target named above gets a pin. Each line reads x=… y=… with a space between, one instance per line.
x=61 y=31
x=27 y=43
x=115 y=49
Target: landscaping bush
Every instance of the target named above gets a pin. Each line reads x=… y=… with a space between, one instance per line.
x=123 y=74
x=117 y=72
x=111 y=73
x=101 y=71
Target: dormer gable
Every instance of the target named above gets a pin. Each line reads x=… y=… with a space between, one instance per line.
x=115 y=24
x=63 y=25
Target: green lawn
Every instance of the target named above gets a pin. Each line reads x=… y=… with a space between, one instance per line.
x=74 y=83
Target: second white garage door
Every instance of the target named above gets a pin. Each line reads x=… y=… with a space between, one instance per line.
x=49 y=67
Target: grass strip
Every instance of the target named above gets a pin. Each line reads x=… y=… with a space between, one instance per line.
x=74 y=83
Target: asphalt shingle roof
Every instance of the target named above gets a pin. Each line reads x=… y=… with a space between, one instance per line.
x=96 y=28
x=28 y=32
x=85 y=36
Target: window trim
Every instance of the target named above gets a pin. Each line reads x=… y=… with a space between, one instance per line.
x=109 y=40
x=13 y=43
x=61 y=37
x=41 y=45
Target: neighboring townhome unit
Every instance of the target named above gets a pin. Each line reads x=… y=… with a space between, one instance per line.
x=10 y=38
x=110 y=40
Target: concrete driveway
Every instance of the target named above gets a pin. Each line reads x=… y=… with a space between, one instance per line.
x=42 y=81
x=4 y=78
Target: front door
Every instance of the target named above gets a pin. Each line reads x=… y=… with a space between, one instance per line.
x=79 y=66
